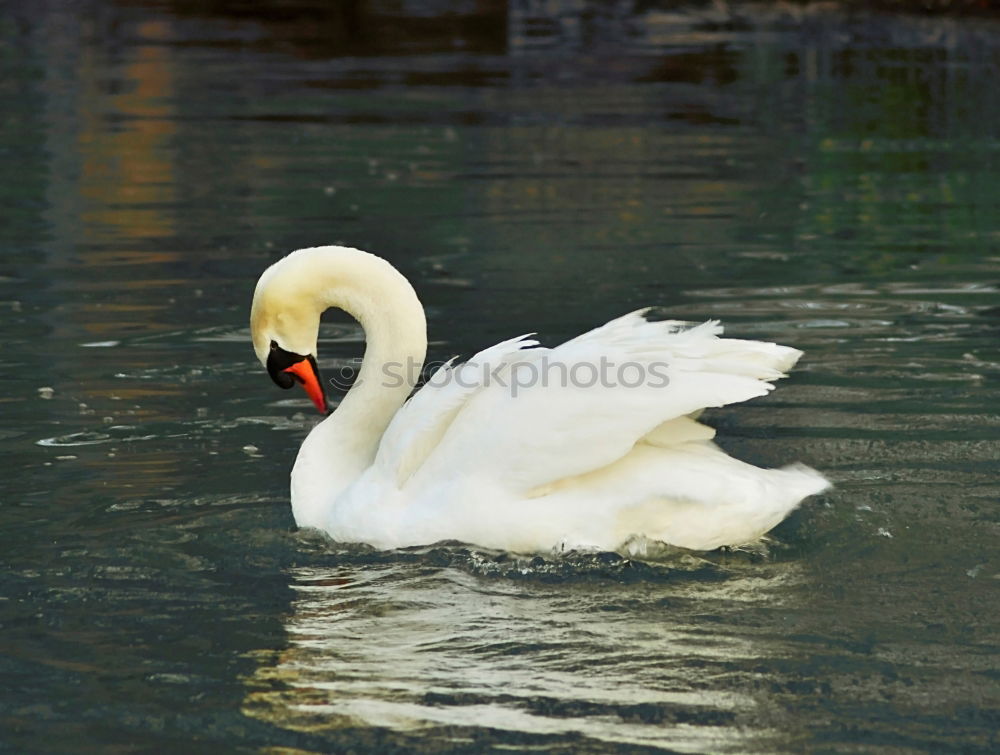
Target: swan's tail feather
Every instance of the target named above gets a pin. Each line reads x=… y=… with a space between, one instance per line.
x=805 y=481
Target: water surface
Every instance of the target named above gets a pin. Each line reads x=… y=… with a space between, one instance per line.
x=828 y=184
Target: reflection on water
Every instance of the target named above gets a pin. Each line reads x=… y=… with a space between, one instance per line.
x=518 y=657
x=828 y=183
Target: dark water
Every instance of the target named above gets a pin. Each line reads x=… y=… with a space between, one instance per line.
x=831 y=185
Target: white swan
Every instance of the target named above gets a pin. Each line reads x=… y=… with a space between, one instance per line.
x=492 y=453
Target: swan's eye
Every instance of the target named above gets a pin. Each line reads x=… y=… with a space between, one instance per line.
x=283 y=380
x=279 y=360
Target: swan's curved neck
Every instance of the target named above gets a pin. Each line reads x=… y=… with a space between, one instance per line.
x=396 y=345
x=373 y=292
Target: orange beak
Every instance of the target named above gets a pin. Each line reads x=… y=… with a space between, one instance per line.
x=306 y=374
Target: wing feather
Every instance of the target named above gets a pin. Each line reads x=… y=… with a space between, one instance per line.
x=421 y=423
x=527 y=434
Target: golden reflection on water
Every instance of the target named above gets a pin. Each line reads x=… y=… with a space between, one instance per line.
x=111 y=128
x=128 y=176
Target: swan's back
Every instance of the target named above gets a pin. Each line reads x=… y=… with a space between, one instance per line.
x=520 y=448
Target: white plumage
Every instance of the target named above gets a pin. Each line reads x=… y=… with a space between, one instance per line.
x=584 y=445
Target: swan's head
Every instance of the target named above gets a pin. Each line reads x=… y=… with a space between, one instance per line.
x=284 y=326
x=293 y=293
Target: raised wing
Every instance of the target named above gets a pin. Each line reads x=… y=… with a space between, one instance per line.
x=527 y=418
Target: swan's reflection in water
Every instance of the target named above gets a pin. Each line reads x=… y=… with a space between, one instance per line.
x=458 y=657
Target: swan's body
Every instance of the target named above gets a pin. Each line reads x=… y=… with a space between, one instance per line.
x=551 y=463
